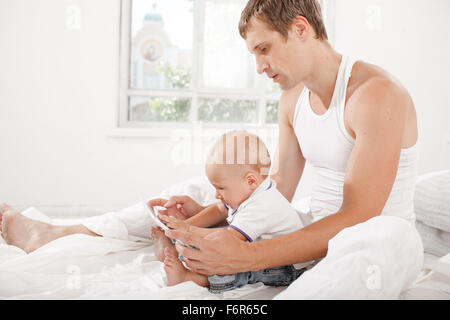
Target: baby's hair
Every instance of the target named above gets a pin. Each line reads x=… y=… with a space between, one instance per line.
x=239 y=147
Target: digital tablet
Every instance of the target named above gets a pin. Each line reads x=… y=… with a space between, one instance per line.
x=153 y=213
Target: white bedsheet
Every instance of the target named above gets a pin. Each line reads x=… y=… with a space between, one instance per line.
x=433 y=283
x=84 y=267
x=122 y=265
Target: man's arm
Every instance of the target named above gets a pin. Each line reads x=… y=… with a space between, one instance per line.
x=377 y=113
x=288 y=161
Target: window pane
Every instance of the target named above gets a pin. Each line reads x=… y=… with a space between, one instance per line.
x=159 y=109
x=226 y=60
x=161 y=44
x=227 y=110
x=272 y=111
x=272 y=87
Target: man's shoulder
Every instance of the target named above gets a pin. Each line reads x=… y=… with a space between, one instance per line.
x=368 y=80
x=372 y=90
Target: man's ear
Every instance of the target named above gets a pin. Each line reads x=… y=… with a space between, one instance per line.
x=252 y=180
x=301 y=27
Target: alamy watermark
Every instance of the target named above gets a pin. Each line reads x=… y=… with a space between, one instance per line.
x=73 y=20
x=373 y=281
x=194 y=146
x=74 y=279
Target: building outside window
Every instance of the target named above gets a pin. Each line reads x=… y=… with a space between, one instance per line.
x=184 y=62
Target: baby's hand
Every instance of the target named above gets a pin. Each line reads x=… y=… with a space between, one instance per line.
x=175 y=223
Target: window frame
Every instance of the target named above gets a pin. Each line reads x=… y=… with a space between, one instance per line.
x=126 y=128
x=195 y=92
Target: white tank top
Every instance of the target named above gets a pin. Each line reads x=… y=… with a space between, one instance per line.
x=326 y=145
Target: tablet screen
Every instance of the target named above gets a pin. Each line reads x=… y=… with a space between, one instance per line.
x=154 y=216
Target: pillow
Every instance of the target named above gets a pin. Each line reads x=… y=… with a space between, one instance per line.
x=435 y=241
x=432 y=199
x=199 y=189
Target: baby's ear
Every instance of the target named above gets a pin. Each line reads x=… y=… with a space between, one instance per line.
x=252 y=180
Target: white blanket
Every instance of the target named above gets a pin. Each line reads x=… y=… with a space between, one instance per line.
x=123 y=265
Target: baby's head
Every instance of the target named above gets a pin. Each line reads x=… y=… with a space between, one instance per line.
x=236 y=165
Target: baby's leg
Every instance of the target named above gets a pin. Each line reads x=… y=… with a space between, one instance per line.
x=177 y=273
x=161 y=242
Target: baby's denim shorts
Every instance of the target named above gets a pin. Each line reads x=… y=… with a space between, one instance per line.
x=279 y=276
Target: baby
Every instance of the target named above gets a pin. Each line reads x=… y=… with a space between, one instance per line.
x=238 y=168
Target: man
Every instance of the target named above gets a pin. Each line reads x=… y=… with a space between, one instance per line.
x=358 y=174
x=357 y=126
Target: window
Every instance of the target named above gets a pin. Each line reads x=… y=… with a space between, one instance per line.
x=184 y=62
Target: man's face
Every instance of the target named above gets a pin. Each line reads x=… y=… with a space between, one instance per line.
x=272 y=53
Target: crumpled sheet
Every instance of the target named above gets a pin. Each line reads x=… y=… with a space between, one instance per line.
x=121 y=265
x=377 y=259
x=433 y=282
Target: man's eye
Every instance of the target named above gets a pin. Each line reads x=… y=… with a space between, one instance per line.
x=263 y=49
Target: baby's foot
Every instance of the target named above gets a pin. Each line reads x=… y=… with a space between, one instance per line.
x=161 y=242
x=176 y=272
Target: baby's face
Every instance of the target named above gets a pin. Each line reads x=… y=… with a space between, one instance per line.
x=231 y=187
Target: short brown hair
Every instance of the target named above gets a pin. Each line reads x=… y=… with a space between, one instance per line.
x=278 y=14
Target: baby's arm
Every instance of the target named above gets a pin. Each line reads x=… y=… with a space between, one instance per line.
x=175 y=223
x=209 y=216
x=205 y=231
x=237 y=234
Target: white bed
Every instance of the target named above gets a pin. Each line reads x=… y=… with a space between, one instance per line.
x=84 y=267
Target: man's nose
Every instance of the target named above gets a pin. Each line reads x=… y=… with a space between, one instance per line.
x=261 y=66
x=218 y=195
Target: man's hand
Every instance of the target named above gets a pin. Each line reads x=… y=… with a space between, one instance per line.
x=180 y=207
x=218 y=252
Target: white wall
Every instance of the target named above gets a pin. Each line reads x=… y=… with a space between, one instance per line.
x=410 y=39
x=59 y=91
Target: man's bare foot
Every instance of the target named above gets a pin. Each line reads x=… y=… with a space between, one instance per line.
x=23 y=232
x=3 y=207
x=176 y=272
x=161 y=242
